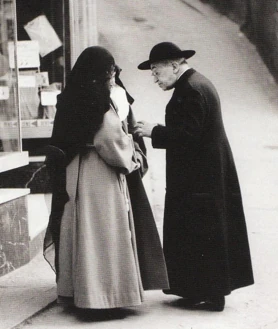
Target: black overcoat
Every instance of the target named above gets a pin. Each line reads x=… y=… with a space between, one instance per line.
x=205 y=238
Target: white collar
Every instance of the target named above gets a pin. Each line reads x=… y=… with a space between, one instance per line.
x=118 y=96
x=186 y=68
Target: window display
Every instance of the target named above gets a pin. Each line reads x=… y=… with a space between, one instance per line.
x=39 y=42
x=32 y=62
x=41 y=61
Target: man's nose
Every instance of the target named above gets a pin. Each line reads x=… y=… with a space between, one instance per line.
x=155 y=79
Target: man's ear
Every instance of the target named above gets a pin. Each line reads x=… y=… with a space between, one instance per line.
x=176 y=67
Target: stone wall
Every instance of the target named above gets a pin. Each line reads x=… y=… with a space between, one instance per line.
x=258 y=19
x=34 y=176
x=14 y=235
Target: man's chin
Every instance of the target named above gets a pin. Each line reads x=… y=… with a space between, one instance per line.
x=167 y=88
x=163 y=87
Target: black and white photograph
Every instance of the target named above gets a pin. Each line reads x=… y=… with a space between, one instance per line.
x=138 y=164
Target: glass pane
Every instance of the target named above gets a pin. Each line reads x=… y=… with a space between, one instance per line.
x=9 y=127
x=40 y=22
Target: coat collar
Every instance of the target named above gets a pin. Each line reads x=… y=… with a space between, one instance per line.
x=185 y=76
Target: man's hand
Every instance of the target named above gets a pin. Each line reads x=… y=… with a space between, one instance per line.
x=144 y=129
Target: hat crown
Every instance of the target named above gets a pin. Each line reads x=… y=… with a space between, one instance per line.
x=164 y=50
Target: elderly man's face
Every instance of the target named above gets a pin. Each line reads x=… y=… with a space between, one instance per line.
x=164 y=75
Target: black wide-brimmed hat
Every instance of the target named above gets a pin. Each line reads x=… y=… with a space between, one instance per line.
x=163 y=51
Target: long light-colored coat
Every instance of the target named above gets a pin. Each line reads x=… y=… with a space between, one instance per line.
x=98 y=260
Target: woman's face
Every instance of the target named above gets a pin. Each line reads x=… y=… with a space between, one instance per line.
x=111 y=81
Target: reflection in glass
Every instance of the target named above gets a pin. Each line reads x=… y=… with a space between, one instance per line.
x=9 y=111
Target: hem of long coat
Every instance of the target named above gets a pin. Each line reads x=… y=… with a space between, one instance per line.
x=102 y=302
x=68 y=286
x=160 y=287
x=183 y=293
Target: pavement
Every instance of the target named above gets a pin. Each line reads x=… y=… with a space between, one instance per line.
x=30 y=288
x=249 y=101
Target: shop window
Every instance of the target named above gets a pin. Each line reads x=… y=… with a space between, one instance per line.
x=41 y=30
x=11 y=155
x=46 y=36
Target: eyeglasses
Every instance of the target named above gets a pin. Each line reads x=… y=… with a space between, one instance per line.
x=115 y=70
x=111 y=73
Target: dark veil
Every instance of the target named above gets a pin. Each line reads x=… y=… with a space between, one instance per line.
x=85 y=99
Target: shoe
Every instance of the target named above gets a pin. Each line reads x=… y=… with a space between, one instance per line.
x=190 y=303
x=215 y=303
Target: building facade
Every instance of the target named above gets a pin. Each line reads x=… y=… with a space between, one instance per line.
x=39 y=43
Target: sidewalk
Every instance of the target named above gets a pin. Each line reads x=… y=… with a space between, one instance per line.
x=26 y=291
x=30 y=288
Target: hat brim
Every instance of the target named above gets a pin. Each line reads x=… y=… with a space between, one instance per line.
x=184 y=53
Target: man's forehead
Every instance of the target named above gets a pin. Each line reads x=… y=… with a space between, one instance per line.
x=156 y=65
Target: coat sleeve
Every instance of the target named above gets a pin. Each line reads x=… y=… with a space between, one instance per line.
x=191 y=112
x=139 y=144
x=114 y=146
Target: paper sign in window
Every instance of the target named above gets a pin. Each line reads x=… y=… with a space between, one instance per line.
x=49 y=97
x=4 y=92
x=41 y=30
x=42 y=79
x=27 y=81
x=27 y=54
